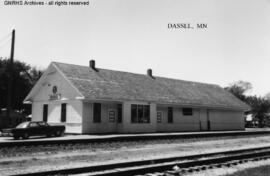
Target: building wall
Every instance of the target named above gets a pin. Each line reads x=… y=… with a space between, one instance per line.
x=68 y=95
x=105 y=126
x=198 y=121
x=218 y=120
x=73 y=114
x=63 y=87
x=129 y=127
x=226 y=120
x=37 y=111
x=204 y=120
x=180 y=122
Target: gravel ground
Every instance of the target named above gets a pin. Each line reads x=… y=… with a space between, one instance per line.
x=225 y=171
x=39 y=158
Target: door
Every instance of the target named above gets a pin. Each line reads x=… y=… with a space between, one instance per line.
x=208 y=120
x=203 y=119
x=33 y=129
x=43 y=128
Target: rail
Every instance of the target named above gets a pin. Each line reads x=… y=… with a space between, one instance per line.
x=164 y=165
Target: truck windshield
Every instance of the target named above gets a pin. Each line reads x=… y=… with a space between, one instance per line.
x=23 y=125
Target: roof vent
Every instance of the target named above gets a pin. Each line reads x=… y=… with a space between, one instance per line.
x=92 y=65
x=149 y=73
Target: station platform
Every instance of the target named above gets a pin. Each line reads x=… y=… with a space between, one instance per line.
x=72 y=138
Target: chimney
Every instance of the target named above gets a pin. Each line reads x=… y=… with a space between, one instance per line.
x=149 y=73
x=92 y=65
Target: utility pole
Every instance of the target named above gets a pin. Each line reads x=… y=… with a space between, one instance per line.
x=10 y=80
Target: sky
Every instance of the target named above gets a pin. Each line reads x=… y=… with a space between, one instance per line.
x=133 y=35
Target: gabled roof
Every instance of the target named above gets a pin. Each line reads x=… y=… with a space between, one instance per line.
x=116 y=85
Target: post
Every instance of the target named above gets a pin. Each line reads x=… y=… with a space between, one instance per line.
x=10 y=75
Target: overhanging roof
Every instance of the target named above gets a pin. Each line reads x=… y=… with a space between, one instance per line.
x=116 y=85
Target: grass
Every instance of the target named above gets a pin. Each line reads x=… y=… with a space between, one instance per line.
x=257 y=171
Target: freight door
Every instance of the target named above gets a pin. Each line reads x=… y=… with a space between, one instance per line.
x=203 y=120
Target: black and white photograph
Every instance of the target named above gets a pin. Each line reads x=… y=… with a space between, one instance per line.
x=134 y=87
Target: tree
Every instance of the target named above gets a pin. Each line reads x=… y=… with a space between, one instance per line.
x=239 y=89
x=267 y=96
x=24 y=78
x=259 y=106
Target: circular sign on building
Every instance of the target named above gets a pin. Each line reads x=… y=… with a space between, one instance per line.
x=54 y=89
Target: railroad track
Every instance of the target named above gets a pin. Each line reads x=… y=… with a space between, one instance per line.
x=164 y=166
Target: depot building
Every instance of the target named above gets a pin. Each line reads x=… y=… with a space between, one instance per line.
x=87 y=99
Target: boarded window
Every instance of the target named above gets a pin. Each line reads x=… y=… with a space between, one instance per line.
x=140 y=113
x=170 y=115
x=45 y=112
x=159 y=117
x=97 y=113
x=112 y=115
x=119 y=113
x=187 y=111
x=63 y=112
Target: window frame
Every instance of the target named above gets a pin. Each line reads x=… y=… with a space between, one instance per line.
x=140 y=117
x=187 y=111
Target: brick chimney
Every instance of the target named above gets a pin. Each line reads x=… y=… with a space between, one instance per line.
x=149 y=73
x=92 y=64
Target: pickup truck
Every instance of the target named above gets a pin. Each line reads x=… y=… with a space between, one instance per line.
x=35 y=128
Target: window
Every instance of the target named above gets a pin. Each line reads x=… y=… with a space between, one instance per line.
x=42 y=124
x=140 y=113
x=170 y=115
x=97 y=113
x=187 y=111
x=134 y=117
x=119 y=113
x=63 y=112
x=23 y=125
x=45 y=112
x=33 y=124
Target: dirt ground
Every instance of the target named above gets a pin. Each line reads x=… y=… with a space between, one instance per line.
x=25 y=160
x=225 y=171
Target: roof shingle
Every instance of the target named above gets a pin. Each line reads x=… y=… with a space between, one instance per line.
x=116 y=85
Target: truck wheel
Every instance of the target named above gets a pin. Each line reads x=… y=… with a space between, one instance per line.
x=16 y=137
x=58 y=133
x=25 y=135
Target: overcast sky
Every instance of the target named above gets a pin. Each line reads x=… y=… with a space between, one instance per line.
x=133 y=35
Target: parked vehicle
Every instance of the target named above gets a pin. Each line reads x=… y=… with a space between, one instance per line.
x=27 y=129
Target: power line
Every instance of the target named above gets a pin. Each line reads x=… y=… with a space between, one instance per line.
x=4 y=44
x=7 y=36
x=5 y=40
